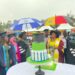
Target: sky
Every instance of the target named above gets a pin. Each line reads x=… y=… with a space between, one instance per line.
x=40 y=9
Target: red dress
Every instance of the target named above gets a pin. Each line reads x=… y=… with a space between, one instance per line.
x=61 y=51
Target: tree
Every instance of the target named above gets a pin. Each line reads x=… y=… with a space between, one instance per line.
x=5 y=26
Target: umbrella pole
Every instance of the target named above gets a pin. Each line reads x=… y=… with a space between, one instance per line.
x=27 y=35
x=27 y=27
x=27 y=30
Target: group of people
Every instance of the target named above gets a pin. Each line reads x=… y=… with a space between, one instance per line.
x=12 y=50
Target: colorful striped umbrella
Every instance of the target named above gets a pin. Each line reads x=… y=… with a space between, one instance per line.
x=26 y=24
x=55 y=21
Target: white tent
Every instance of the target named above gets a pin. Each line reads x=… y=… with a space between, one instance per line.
x=45 y=27
x=64 y=27
x=31 y=30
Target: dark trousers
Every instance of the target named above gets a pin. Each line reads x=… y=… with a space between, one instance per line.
x=23 y=57
x=2 y=71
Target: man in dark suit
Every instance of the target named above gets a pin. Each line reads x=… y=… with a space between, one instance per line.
x=70 y=51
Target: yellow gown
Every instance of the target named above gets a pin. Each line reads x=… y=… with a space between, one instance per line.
x=55 y=44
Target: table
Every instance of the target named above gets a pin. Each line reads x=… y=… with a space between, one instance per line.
x=28 y=69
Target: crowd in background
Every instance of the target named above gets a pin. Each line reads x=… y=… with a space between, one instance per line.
x=15 y=49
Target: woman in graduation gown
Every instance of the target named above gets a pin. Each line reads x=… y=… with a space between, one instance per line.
x=17 y=50
x=56 y=46
x=2 y=64
x=7 y=55
x=23 y=46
